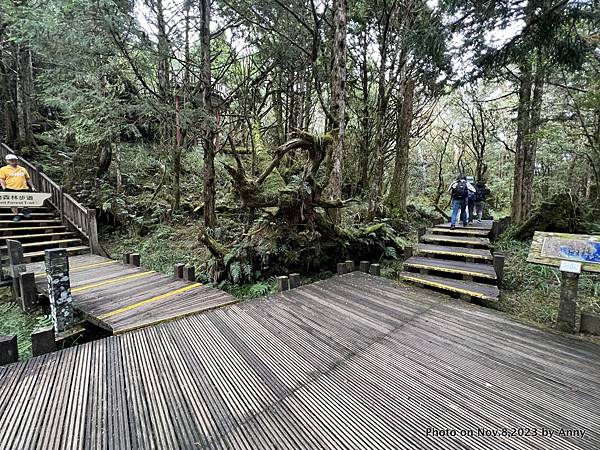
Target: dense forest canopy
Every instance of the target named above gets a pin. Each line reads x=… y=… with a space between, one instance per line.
x=306 y=128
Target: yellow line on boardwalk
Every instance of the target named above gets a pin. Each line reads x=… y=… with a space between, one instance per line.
x=111 y=281
x=88 y=266
x=150 y=300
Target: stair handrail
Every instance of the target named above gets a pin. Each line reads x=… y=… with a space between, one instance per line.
x=74 y=213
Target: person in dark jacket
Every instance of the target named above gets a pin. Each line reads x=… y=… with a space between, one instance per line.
x=459 y=190
x=481 y=192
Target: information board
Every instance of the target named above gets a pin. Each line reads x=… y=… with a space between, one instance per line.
x=552 y=248
x=22 y=199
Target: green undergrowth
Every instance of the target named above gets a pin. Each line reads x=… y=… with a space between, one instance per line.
x=531 y=292
x=13 y=321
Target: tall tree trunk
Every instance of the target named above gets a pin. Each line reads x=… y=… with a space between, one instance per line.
x=24 y=87
x=9 y=116
x=338 y=102
x=278 y=108
x=523 y=118
x=399 y=187
x=210 y=216
x=364 y=120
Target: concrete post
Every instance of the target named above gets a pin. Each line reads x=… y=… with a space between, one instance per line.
x=364 y=266
x=349 y=266
x=568 y=305
x=189 y=273
x=294 y=280
x=9 y=352
x=375 y=269
x=59 y=289
x=134 y=259
x=15 y=264
x=283 y=283
x=29 y=300
x=499 y=267
x=42 y=341
x=178 y=270
x=590 y=323
x=341 y=268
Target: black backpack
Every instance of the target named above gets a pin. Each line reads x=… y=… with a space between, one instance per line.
x=460 y=191
x=481 y=192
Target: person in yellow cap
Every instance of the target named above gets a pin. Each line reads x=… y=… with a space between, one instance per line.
x=14 y=177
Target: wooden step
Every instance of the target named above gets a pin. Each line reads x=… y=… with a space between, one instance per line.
x=458 y=240
x=17 y=231
x=41 y=236
x=450 y=266
x=34 y=215
x=459 y=252
x=50 y=243
x=477 y=290
x=484 y=225
x=40 y=222
x=39 y=255
x=460 y=231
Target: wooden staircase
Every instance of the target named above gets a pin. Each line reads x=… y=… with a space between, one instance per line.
x=459 y=261
x=43 y=231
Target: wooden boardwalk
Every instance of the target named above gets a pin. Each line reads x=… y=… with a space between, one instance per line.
x=121 y=297
x=353 y=362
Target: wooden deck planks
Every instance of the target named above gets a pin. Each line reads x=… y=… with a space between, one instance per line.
x=354 y=362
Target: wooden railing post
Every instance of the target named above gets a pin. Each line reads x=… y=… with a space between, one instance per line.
x=61 y=204
x=92 y=231
x=16 y=265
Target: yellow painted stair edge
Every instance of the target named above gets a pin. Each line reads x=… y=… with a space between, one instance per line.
x=448 y=288
x=450 y=270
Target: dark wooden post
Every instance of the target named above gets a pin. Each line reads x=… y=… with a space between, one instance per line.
x=568 y=305
x=495 y=231
x=126 y=258
x=29 y=300
x=590 y=323
x=134 y=259
x=341 y=268
x=421 y=231
x=9 y=352
x=294 y=280
x=349 y=266
x=178 y=270
x=283 y=283
x=408 y=252
x=499 y=267
x=375 y=269
x=189 y=273
x=364 y=266
x=42 y=341
x=59 y=288
x=92 y=232
x=16 y=265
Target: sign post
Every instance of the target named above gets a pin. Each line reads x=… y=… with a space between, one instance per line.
x=571 y=253
x=23 y=199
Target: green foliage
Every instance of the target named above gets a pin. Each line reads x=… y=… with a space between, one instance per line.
x=13 y=321
x=254 y=290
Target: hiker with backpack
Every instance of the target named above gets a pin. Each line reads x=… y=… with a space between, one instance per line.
x=481 y=192
x=459 y=190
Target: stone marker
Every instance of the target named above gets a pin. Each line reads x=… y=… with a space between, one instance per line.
x=364 y=266
x=9 y=352
x=349 y=266
x=29 y=299
x=42 y=341
x=568 y=305
x=59 y=289
x=341 y=268
x=134 y=259
x=294 y=280
x=178 y=270
x=283 y=283
x=375 y=269
x=590 y=323
x=189 y=273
